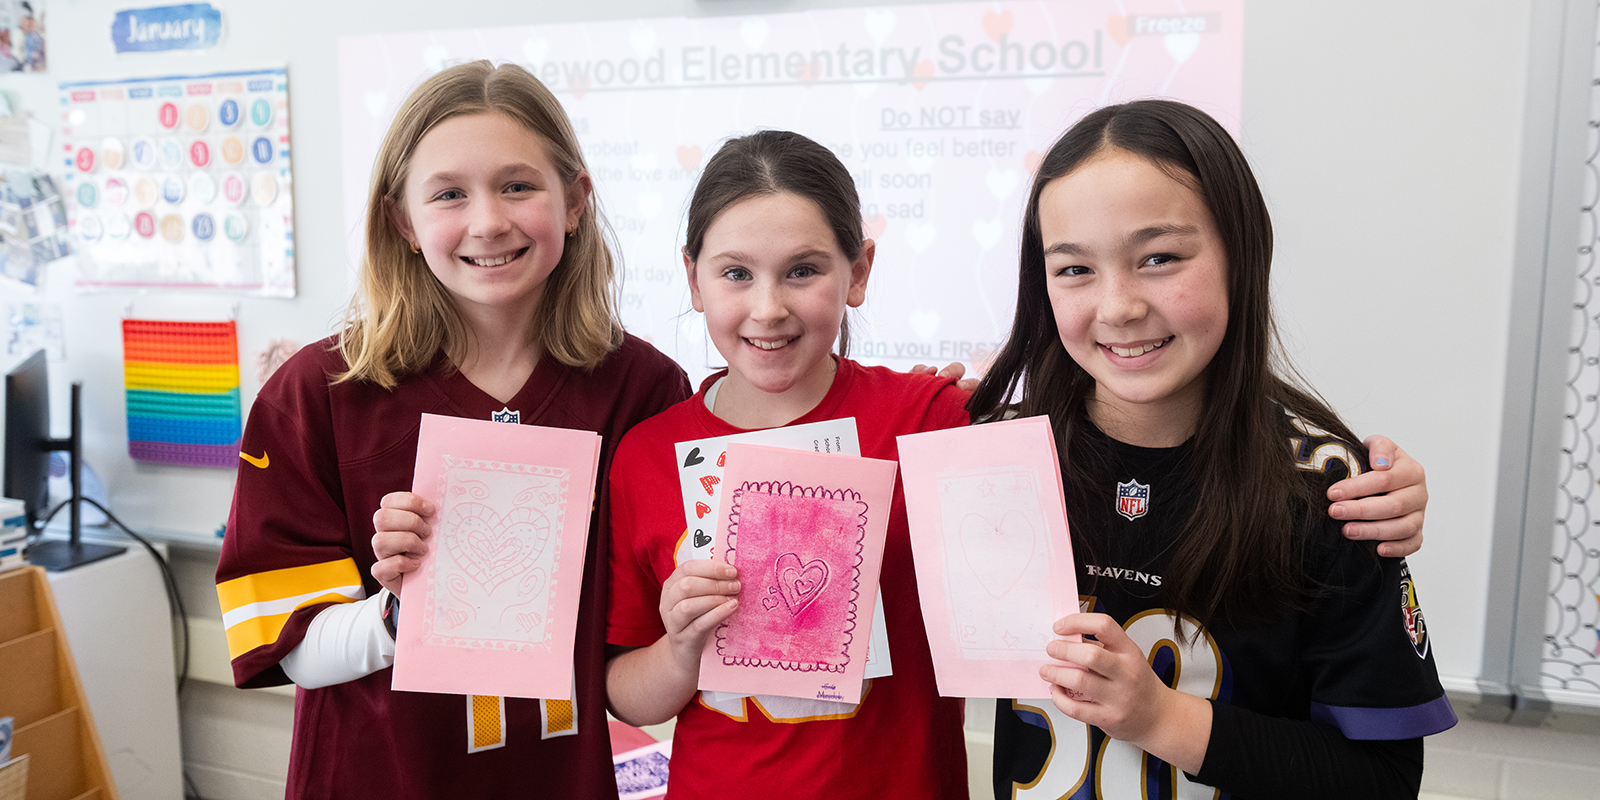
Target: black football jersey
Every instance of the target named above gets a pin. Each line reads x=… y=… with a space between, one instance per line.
x=1357 y=658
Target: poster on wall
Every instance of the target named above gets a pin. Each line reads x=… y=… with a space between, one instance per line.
x=181 y=182
x=941 y=113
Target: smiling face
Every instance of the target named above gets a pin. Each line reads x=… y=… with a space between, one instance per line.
x=1137 y=278
x=774 y=284
x=490 y=212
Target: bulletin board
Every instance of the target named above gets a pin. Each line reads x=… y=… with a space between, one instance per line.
x=940 y=112
x=181 y=182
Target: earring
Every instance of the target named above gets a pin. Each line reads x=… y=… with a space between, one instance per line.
x=572 y=233
x=415 y=248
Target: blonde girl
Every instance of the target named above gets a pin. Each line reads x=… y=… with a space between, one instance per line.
x=486 y=292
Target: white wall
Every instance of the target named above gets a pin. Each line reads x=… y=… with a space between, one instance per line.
x=1388 y=140
x=1386 y=135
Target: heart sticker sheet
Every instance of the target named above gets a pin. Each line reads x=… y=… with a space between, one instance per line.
x=493 y=610
x=806 y=532
x=994 y=561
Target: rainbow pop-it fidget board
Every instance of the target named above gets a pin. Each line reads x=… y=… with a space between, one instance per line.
x=181 y=182
x=183 y=392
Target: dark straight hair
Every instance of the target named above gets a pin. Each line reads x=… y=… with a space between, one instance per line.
x=1237 y=558
x=774 y=162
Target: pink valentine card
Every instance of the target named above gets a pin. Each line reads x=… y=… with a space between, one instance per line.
x=994 y=562
x=493 y=610
x=806 y=531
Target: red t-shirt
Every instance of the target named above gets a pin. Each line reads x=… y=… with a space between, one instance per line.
x=318 y=458
x=903 y=740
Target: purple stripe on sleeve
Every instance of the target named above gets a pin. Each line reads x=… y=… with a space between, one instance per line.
x=1388 y=723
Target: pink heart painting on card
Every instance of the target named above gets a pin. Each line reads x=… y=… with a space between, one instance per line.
x=998 y=551
x=493 y=549
x=799 y=584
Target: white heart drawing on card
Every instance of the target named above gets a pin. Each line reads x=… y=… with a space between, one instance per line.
x=998 y=552
x=493 y=549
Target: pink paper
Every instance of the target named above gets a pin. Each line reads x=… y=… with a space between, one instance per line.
x=806 y=531
x=493 y=610
x=994 y=562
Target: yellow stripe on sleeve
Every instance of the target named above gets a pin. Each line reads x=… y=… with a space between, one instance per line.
x=263 y=629
x=256 y=607
x=279 y=584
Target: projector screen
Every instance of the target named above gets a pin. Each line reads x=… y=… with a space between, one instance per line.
x=940 y=112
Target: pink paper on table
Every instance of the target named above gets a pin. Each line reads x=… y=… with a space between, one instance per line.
x=994 y=561
x=806 y=531
x=493 y=610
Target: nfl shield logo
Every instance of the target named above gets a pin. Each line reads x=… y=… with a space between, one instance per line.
x=1133 y=499
x=507 y=415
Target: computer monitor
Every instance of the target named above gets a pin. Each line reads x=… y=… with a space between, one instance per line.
x=27 y=469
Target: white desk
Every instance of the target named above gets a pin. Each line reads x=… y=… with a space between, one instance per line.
x=115 y=615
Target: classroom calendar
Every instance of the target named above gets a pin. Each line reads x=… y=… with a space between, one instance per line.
x=181 y=182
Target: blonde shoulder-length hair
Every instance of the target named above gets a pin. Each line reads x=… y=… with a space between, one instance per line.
x=401 y=315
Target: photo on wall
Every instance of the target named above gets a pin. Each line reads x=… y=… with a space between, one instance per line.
x=22 y=36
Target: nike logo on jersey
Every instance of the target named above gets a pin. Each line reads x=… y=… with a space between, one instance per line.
x=1122 y=574
x=258 y=463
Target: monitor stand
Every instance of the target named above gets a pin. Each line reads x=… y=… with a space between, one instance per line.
x=59 y=556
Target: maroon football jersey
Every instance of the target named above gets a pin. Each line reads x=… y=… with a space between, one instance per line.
x=317 y=458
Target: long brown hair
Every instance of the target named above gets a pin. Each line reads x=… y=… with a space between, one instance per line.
x=401 y=316
x=773 y=162
x=1237 y=558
